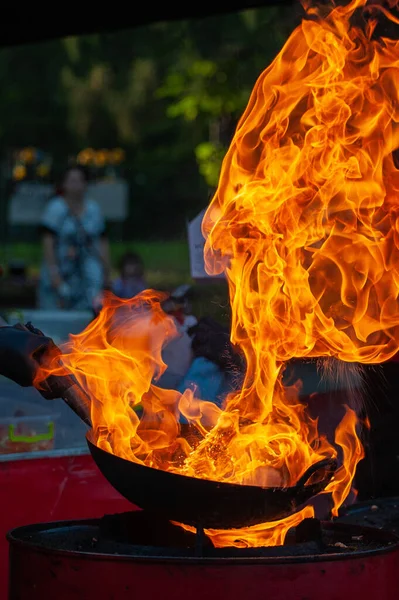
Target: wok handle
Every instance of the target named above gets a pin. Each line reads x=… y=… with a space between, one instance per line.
x=77 y=399
x=329 y=464
x=65 y=386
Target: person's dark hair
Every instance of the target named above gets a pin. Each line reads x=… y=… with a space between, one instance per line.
x=211 y=340
x=75 y=167
x=132 y=258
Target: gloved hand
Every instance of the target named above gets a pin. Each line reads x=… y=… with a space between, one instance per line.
x=211 y=340
x=21 y=351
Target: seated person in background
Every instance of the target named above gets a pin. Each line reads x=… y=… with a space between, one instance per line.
x=131 y=281
x=216 y=369
x=179 y=307
x=178 y=354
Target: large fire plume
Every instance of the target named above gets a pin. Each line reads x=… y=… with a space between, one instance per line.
x=305 y=225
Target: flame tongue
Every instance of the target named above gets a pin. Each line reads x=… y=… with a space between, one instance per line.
x=305 y=224
x=306 y=208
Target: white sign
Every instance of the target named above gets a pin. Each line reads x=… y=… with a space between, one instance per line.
x=28 y=202
x=112 y=196
x=196 y=244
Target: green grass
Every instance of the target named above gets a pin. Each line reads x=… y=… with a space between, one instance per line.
x=167 y=265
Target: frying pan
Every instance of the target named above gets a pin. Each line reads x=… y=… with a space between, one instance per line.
x=201 y=503
x=204 y=503
x=198 y=502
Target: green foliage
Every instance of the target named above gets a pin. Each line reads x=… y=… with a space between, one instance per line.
x=213 y=87
x=170 y=94
x=209 y=158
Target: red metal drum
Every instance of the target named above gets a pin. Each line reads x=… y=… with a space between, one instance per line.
x=51 y=488
x=40 y=570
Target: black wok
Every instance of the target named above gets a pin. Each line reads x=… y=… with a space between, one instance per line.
x=192 y=501
x=204 y=503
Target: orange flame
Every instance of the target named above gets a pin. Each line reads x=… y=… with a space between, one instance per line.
x=266 y=534
x=305 y=225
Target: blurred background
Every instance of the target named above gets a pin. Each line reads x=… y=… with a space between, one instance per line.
x=150 y=112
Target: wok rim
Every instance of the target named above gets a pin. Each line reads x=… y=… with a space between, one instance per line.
x=213 y=482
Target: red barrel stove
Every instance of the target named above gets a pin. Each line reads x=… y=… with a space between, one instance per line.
x=138 y=555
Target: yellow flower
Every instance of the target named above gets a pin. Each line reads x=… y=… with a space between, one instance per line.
x=27 y=155
x=19 y=172
x=86 y=156
x=117 y=155
x=101 y=158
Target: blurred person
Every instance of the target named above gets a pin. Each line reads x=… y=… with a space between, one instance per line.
x=178 y=306
x=217 y=368
x=76 y=265
x=177 y=354
x=131 y=280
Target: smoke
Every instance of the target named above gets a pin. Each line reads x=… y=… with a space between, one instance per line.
x=348 y=377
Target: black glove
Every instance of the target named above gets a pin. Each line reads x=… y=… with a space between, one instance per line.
x=212 y=341
x=21 y=351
